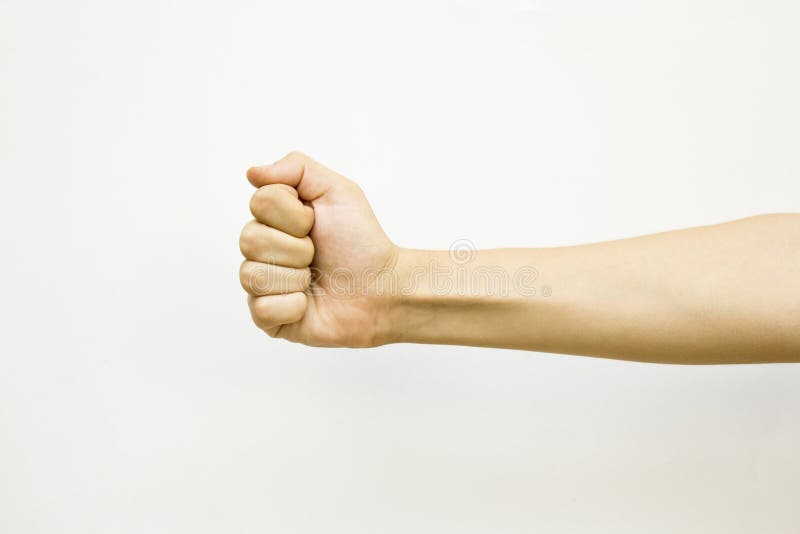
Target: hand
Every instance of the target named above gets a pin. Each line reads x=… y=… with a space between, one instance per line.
x=321 y=271
x=312 y=253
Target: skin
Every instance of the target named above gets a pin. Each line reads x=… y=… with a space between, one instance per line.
x=320 y=270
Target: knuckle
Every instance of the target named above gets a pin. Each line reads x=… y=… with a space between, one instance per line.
x=263 y=313
x=249 y=238
x=263 y=200
x=304 y=278
x=282 y=193
x=298 y=305
x=307 y=253
x=254 y=279
x=293 y=279
x=308 y=217
x=353 y=186
x=296 y=154
x=245 y=275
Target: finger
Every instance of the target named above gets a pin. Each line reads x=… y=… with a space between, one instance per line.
x=310 y=178
x=277 y=206
x=264 y=279
x=270 y=312
x=264 y=244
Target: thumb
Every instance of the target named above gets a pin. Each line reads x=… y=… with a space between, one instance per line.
x=311 y=179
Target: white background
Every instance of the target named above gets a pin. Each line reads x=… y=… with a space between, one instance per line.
x=137 y=397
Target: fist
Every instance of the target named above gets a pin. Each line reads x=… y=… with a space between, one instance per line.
x=312 y=226
x=278 y=254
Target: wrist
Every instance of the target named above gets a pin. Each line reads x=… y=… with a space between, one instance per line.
x=418 y=297
x=453 y=297
x=399 y=295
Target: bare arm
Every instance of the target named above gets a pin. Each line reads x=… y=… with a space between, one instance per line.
x=728 y=293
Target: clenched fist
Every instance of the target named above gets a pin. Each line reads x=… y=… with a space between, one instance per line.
x=320 y=270
x=311 y=253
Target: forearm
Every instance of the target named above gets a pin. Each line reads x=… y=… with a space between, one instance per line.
x=727 y=293
x=320 y=270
